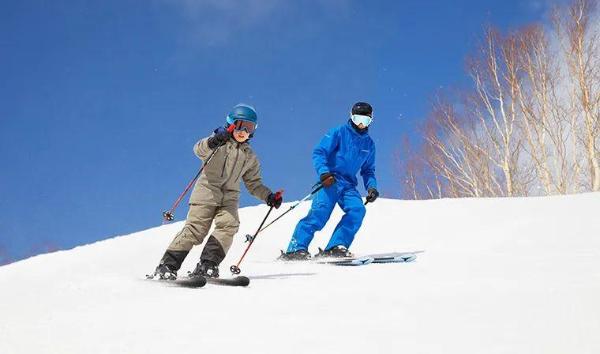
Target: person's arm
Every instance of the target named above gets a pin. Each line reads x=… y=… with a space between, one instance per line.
x=205 y=147
x=321 y=153
x=253 y=180
x=202 y=150
x=367 y=170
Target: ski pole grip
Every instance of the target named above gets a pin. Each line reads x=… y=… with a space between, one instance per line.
x=279 y=194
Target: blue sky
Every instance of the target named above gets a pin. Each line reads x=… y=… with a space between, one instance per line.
x=102 y=101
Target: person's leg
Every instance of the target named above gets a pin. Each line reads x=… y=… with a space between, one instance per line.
x=197 y=225
x=320 y=211
x=227 y=224
x=354 y=209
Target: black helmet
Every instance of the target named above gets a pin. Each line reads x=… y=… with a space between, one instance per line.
x=363 y=109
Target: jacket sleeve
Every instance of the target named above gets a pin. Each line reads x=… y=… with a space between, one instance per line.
x=367 y=170
x=202 y=150
x=322 y=151
x=253 y=180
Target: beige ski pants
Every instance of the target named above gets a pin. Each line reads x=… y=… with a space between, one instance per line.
x=198 y=223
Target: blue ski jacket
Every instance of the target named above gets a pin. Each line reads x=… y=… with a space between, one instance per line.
x=344 y=151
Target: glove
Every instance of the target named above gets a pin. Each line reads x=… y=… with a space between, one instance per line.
x=327 y=179
x=373 y=194
x=275 y=199
x=219 y=138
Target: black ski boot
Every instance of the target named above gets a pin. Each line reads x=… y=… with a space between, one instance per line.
x=169 y=265
x=335 y=252
x=300 y=255
x=205 y=268
x=165 y=272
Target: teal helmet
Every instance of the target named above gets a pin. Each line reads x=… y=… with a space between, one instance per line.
x=242 y=112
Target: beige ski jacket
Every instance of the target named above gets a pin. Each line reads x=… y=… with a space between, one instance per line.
x=219 y=182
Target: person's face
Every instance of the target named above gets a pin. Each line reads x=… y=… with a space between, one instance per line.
x=240 y=135
x=361 y=126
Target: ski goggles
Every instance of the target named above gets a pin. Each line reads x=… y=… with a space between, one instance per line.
x=358 y=119
x=249 y=127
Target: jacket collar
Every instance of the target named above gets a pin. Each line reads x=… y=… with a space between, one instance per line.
x=235 y=144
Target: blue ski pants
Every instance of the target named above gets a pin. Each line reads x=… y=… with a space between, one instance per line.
x=351 y=203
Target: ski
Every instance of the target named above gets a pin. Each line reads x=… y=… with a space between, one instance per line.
x=185 y=282
x=235 y=281
x=392 y=257
x=195 y=282
x=395 y=257
x=356 y=261
x=199 y=282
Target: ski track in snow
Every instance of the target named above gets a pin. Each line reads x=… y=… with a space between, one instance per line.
x=497 y=276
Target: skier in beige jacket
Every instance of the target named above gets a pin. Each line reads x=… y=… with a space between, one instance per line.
x=216 y=195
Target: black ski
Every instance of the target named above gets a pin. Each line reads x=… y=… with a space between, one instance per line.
x=199 y=281
x=185 y=282
x=194 y=282
x=235 y=281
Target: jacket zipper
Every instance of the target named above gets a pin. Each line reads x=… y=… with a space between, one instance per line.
x=224 y=164
x=242 y=169
x=237 y=155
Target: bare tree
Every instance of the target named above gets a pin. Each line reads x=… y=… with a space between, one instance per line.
x=495 y=73
x=456 y=154
x=408 y=169
x=583 y=59
x=545 y=124
x=530 y=124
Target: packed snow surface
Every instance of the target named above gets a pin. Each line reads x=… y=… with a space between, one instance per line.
x=497 y=276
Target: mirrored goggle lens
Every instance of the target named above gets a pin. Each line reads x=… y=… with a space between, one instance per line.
x=249 y=127
x=358 y=119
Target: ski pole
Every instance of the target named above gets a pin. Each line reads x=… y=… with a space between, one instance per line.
x=320 y=186
x=168 y=214
x=249 y=238
x=235 y=269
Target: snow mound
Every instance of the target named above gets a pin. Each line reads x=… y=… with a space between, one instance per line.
x=497 y=276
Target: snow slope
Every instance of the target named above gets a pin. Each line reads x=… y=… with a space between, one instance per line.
x=498 y=276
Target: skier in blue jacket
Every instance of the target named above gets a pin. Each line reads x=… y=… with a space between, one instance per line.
x=340 y=154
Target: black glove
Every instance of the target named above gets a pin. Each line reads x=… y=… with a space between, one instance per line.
x=327 y=179
x=275 y=200
x=220 y=137
x=373 y=194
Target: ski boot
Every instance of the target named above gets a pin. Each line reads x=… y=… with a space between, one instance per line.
x=300 y=255
x=335 y=252
x=205 y=268
x=164 y=272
